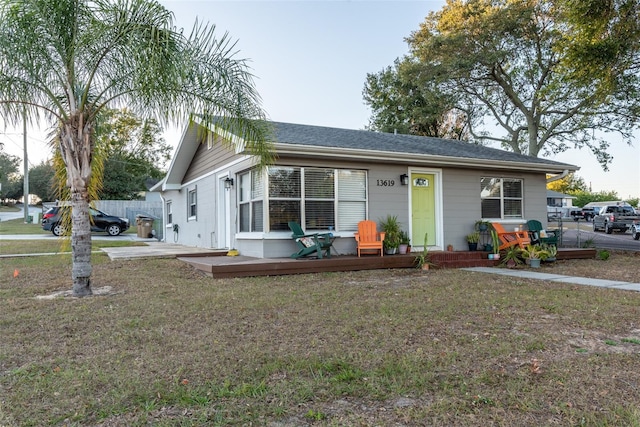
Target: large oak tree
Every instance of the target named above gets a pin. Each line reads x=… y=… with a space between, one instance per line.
x=68 y=60
x=550 y=74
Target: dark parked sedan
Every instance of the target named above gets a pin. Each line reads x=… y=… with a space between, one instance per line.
x=100 y=221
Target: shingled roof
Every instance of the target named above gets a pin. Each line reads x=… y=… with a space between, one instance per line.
x=327 y=137
x=321 y=142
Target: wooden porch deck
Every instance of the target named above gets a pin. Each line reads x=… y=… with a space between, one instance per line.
x=222 y=266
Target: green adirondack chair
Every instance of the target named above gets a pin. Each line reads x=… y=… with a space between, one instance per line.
x=310 y=244
x=537 y=234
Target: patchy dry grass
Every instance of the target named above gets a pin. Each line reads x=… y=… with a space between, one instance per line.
x=623 y=266
x=399 y=347
x=56 y=245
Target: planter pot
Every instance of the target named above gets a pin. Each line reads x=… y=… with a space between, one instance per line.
x=496 y=256
x=488 y=247
x=534 y=262
x=390 y=251
x=473 y=247
x=450 y=248
x=402 y=249
x=550 y=259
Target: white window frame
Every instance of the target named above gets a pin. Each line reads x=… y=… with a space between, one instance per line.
x=254 y=198
x=502 y=198
x=336 y=199
x=192 y=204
x=169 y=213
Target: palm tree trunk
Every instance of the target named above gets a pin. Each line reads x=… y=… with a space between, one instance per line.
x=80 y=244
x=76 y=150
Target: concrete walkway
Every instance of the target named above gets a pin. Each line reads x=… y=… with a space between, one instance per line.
x=528 y=274
x=152 y=249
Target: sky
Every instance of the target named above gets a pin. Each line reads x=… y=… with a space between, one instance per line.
x=311 y=58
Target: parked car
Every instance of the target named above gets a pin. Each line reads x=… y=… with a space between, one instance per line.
x=614 y=217
x=576 y=214
x=100 y=221
x=588 y=212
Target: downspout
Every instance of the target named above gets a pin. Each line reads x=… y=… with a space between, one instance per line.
x=558 y=177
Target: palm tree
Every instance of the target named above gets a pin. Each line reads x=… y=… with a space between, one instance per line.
x=64 y=61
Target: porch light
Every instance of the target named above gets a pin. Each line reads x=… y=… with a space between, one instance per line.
x=404 y=179
x=228 y=183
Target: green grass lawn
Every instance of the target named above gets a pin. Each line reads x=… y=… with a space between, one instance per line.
x=17 y=226
x=169 y=346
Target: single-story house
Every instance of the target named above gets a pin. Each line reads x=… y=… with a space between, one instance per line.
x=559 y=205
x=329 y=179
x=559 y=200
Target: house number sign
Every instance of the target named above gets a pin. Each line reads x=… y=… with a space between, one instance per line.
x=385 y=182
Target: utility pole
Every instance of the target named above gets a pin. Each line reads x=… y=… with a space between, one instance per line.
x=25 y=188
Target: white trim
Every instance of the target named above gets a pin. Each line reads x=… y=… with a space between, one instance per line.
x=414 y=158
x=284 y=235
x=216 y=171
x=224 y=230
x=438 y=208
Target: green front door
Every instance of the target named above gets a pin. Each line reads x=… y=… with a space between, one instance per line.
x=423 y=209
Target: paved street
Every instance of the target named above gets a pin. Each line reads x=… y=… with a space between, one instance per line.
x=6 y=216
x=577 y=237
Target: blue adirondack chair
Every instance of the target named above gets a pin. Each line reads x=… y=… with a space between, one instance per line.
x=310 y=244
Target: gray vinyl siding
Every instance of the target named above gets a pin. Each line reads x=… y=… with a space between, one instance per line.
x=198 y=232
x=462 y=204
x=388 y=200
x=207 y=160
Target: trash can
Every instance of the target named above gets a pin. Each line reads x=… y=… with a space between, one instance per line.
x=145 y=225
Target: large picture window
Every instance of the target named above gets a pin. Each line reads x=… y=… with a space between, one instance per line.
x=501 y=198
x=317 y=198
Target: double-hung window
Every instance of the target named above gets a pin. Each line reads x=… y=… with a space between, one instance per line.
x=251 y=201
x=192 y=200
x=285 y=197
x=169 y=214
x=501 y=197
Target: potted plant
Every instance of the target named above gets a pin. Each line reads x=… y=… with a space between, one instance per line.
x=534 y=254
x=472 y=240
x=405 y=242
x=551 y=252
x=391 y=227
x=423 y=260
x=511 y=257
x=495 y=244
x=482 y=225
